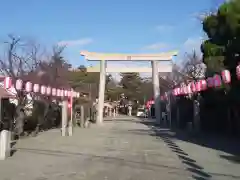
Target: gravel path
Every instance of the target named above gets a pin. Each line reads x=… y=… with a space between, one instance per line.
x=120 y=149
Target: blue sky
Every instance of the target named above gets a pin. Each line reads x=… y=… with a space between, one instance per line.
x=127 y=26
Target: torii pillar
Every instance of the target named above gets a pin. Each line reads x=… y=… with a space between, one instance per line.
x=156 y=90
x=102 y=84
x=154 y=58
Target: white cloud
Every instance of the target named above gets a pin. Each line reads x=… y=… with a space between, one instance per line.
x=156 y=46
x=164 y=28
x=78 y=42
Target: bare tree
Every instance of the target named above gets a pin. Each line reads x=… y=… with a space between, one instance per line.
x=194 y=67
x=176 y=77
x=19 y=58
x=54 y=72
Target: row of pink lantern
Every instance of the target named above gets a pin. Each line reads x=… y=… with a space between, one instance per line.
x=203 y=84
x=36 y=88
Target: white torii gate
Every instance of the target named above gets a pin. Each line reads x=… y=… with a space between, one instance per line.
x=154 y=58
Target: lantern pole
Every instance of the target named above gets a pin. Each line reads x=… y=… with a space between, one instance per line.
x=70 y=127
x=64 y=116
x=71 y=106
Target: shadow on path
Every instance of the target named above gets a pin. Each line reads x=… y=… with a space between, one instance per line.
x=191 y=164
x=107 y=159
x=232 y=158
x=13 y=150
x=231 y=146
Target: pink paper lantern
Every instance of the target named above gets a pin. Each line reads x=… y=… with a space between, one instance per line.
x=174 y=92
x=36 y=88
x=48 y=90
x=69 y=93
x=43 y=90
x=217 y=80
x=178 y=91
x=75 y=94
x=58 y=92
x=198 y=86
x=19 y=84
x=189 y=89
x=210 y=82
x=203 y=84
x=54 y=91
x=62 y=93
x=7 y=82
x=28 y=86
x=182 y=90
x=65 y=93
x=226 y=77
x=185 y=90
x=150 y=102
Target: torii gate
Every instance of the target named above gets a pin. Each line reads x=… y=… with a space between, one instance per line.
x=154 y=58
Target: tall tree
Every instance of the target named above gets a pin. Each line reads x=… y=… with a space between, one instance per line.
x=131 y=84
x=146 y=90
x=221 y=51
x=54 y=72
x=83 y=81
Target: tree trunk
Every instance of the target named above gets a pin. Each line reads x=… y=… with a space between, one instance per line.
x=20 y=121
